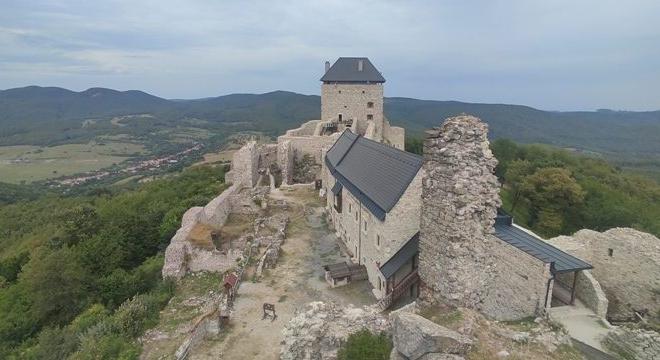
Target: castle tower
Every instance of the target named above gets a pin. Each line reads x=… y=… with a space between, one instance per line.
x=460 y=197
x=352 y=97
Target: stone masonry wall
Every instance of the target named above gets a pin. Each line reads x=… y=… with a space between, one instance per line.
x=181 y=256
x=588 y=291
x=626 y=264
x=351 y=101
x=459 y=204
x=244 y=165
x=285 y=160
x=518 y=285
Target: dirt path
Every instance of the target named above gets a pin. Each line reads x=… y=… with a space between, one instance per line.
x=297 y=280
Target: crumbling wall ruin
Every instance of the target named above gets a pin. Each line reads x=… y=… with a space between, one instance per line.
x=460 y=196
x=626 y=264
x=244 y=166
x=181 y=256
x=460 y=260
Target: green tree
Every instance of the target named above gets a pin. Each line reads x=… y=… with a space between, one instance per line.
x=57 y=285
x=516 y=174
x=552 y=193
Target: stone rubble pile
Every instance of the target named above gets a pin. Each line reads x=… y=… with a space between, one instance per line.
x=634 y=343
x=317 y=330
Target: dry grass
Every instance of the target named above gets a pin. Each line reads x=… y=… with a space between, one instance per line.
x=200 y=236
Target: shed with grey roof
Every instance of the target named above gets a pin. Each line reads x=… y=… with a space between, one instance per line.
x=561 y=262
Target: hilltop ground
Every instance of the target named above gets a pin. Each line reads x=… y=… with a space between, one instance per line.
x=298 y=280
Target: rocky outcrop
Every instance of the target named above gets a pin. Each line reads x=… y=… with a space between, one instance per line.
x=626 y=265
x=418 y=338
x=460 y=197
x=317 y=331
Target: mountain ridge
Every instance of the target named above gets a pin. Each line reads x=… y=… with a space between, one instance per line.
x=48 y=115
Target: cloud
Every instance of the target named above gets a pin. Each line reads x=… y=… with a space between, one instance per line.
x=553 y=55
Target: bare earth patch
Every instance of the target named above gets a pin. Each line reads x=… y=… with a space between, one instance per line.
x=296 y=280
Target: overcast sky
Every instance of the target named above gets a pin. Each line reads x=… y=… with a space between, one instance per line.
x=555 y=55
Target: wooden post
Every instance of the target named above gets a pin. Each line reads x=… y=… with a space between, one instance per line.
x=575 y=275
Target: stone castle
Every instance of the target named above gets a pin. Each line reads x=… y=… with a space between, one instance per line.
x=420 y=226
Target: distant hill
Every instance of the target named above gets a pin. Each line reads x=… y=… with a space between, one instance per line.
x=47 y=115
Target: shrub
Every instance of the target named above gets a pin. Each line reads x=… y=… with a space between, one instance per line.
x=364 y=345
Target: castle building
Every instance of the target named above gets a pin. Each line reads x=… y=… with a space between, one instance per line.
x=351 y=98
x=373 y=202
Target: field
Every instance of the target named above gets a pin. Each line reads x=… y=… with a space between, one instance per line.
x=26 y=163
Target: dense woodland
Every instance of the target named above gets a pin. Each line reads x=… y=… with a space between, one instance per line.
x=80 y=276
x=556 y=192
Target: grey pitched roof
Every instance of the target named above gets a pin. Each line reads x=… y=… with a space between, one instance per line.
x=538 y=248
x=375 y=173
x=346 y=69
x=407 y=251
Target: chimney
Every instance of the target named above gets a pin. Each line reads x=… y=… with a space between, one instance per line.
x=360 y=65
x=327 y=66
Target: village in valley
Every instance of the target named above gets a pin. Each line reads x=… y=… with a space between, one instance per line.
x=335 y=229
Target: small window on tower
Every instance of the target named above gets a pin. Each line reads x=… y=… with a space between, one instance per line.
x=370 y=117
x=610 y=252
x=340 y=91
x=363 y=91
x=370 y=104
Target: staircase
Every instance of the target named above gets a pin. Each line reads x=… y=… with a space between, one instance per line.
x=398 y=290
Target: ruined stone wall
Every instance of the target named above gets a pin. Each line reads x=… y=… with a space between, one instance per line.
x=285 y=159
x=459 y=204
x=587 y=290
x=518 y=284
x=306 y=129
x=395 y=136
x=293 y=148
x=630 y=276
x=181 y=256
x=351 y=101
x=244 y=165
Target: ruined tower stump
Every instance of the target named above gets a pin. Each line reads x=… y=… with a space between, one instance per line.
x=460 y=197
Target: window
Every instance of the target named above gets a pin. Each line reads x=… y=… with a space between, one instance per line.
x=349 y=208
x=370 y=104
x=338 y=202
x=365 y=225
x=340 y=91
x=356 y=216
x=363 y=91
x=380 y=285
x=370 y=117
x=610 y=252
x=340 y=117
x=377 y=240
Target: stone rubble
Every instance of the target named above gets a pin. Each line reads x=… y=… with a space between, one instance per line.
x=318 y=329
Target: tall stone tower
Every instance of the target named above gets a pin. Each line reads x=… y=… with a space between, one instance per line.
x=352 y=97
x=460 y=197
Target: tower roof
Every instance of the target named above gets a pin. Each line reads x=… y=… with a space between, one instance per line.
x=353 y=70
